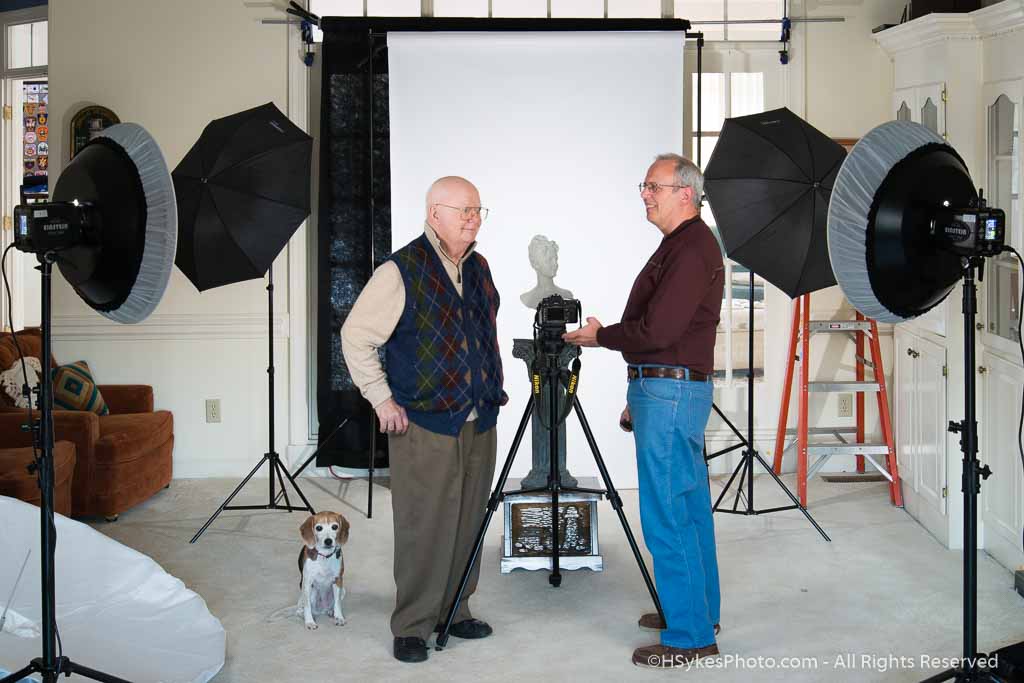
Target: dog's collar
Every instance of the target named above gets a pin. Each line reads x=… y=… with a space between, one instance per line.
x=313 y=553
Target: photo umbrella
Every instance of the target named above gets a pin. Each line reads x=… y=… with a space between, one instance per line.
x=769 y=181
x=243 y=189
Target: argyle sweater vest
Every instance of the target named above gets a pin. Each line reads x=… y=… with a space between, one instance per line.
x=442 y=359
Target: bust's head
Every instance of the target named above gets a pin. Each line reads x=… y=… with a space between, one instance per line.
x=544 y=255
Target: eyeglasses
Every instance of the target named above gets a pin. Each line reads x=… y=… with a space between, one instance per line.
x=653 y=188
x=468 y=212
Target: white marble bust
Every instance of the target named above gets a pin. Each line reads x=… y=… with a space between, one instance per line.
x=544 y=259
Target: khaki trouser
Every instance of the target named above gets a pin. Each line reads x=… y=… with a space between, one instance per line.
x=439 y=490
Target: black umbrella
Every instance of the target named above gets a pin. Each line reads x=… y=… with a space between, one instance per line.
x=242 y=190
x=769 y=182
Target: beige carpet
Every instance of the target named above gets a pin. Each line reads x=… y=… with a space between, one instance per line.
x=883 y=593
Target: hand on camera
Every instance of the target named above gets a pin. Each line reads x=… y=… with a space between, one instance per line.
x=393 y=419
x=626 y=420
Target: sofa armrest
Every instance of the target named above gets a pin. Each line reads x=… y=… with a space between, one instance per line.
x=11 y=434
x=79 y=427
x=127 y=398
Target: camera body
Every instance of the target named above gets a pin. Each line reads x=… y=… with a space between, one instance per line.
x=549 y=323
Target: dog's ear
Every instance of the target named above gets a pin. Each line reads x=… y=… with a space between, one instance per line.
x=343 y=526
x=308 y=537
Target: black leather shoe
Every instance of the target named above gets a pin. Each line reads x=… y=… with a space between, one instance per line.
x=470 y=629
x=410 y=649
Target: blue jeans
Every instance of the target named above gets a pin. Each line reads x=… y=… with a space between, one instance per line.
x=669 y=417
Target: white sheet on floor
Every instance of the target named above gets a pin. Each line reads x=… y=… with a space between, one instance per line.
x=117 y=610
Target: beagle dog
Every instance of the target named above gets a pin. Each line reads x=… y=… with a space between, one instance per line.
x=321 y=567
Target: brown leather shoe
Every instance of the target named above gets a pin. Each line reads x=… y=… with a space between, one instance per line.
x=652 y=622
x=665 y=657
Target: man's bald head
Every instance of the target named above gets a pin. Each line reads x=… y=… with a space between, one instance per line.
x=447 y=201
x=448 y=189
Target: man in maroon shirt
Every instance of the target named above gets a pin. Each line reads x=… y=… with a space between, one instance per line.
x=667 y=336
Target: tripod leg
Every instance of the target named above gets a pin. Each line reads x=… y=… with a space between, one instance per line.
x=295 y=486
x=736 y=471
x=313 y=455
x=492 y=505
x=284 y=489
x=616 y=501
x=20 y=675
x=231 y=497
x=70 y=668
x=793 y=498
x=743 y=476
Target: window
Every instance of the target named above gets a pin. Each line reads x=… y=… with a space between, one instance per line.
x=1003 y=280
x=744 y=12
x=26 y=45
x=726 y=95
x=754 y=19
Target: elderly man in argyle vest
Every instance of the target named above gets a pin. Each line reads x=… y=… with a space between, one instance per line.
x=432 y=307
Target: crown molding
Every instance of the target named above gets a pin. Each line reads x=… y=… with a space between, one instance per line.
x=1004 y=17
x=169 y=327
x=931 y=29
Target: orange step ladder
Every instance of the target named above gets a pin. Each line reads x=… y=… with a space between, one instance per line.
x=803 y=328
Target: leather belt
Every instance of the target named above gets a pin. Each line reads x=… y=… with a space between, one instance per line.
x=667 y=373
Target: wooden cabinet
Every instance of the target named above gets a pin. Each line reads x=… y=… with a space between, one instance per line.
x=1002 y=495
x=920 y=428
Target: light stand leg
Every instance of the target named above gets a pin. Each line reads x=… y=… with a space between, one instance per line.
x=746 y=466
x=277 y=468
x=492 y=505
x=51 y=665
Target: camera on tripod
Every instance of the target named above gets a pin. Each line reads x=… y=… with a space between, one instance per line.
x=549 y=323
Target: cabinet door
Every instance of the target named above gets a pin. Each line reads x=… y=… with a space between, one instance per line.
x=932 y=424
x=1001 y=501
x=903 y=424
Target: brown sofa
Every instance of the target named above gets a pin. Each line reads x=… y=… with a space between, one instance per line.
x=121 y=459
x=17 y=482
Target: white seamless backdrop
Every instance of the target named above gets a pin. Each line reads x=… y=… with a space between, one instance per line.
x=556 y=130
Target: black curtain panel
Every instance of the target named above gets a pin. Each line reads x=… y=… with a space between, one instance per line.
x=354 y=235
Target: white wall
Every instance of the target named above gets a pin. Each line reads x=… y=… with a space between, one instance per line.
x=172 y=67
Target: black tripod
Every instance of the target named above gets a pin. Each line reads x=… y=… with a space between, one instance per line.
x=970 y=669
x=53 y=663
x=548 y=375
x=271 y=456
x=745 y=468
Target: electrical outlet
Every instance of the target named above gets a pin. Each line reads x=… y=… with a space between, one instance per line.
x=213 y=410
x=845 y=408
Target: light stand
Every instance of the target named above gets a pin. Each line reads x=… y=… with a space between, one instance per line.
x=53 y=663
x=973 y=473
x=271 y=455
x=370 y=467
x=547 y=374
x=746 y=464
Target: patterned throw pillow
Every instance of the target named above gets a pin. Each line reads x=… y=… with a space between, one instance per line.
x=74 y=389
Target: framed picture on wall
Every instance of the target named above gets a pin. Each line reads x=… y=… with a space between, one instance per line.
x=87 y=123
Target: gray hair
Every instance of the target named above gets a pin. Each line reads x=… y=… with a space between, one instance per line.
x=687 y=174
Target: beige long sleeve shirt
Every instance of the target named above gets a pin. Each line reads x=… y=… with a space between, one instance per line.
x=375 y=316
